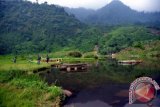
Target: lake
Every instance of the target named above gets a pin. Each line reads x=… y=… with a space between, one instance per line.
x=103 y=84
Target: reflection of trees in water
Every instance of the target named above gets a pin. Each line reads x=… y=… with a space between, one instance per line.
x=110 y=69
x=125 y=73
x=100 y=72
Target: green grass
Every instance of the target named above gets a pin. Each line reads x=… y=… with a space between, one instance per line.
x=13 y=97
x=151 y=50
x=22 y=63
x=26 y=90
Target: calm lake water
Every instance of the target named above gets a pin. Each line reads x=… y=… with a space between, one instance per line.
x=103 y=84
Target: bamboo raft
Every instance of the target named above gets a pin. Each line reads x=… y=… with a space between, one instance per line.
x=72 y=67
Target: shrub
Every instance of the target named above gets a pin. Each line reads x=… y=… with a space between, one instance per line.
x=138 y=45
x=75 y=54
x=55 y=91
x=90 y=55
x=25 y=83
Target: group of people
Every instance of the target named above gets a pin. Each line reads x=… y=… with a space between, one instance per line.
x=38 y=59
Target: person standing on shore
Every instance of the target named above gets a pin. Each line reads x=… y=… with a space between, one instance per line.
x=47 y=58
x=15 y=59
x=38 y=59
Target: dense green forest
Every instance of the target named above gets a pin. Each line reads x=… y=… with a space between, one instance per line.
x=27 y=27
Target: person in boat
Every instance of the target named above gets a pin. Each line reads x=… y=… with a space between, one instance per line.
x=38 y=59
x=47 y=58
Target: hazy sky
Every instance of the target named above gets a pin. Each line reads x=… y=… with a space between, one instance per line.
x=140 y=5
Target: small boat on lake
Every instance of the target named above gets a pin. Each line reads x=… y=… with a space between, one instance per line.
x=129 y=62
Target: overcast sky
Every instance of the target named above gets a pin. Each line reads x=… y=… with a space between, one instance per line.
x=140 y=5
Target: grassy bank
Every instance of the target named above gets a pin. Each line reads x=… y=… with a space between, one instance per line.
x=21 y=88
x=148 y=50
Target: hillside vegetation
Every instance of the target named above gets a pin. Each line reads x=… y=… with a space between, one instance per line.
x=37 y=28
x=145 y=50
x=123 y=37
x=27 y=27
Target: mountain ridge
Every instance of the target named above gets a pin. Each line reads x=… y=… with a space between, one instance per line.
x=80 y=13
x=117 y=13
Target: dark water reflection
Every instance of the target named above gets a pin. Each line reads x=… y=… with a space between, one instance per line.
x=104 y=84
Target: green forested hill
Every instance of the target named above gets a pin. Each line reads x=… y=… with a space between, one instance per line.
x=129 y=36
x=27 y=27
x=33 y=28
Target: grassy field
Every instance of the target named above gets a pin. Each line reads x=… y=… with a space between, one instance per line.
x=20 y=65
x=142 y=51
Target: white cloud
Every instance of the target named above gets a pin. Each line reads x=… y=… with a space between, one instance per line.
x=143 y=5
x=93 y=4
x=140 y=5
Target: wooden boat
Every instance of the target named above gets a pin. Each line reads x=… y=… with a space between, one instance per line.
x=129 y=62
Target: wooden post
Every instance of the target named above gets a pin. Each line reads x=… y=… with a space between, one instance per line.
x=75 y=68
